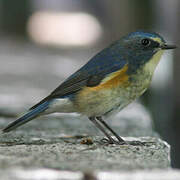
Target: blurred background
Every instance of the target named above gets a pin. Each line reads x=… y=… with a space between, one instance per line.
x=42 y=42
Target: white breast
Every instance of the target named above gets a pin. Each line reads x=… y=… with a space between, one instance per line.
x=151 y=65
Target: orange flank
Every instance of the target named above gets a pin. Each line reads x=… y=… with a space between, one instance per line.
x=118 y=78
x=115 y=79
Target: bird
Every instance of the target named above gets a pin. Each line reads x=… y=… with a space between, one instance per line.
x=106 y=84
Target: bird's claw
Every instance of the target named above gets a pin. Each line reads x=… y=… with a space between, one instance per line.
x=113 y=141
x=136 y=143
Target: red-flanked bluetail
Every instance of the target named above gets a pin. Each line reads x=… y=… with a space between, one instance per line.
x=111 y=80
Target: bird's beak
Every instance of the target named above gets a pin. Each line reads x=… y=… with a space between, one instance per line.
x=166 y=46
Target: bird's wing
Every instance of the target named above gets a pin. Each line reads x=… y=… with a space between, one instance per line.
x=91 y=74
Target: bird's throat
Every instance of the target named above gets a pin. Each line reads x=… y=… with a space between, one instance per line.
x=151 y=65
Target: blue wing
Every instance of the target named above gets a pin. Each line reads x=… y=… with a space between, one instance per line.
x=107 y=61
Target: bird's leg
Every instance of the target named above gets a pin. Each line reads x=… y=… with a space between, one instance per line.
x=111 y=140
x=121 y=141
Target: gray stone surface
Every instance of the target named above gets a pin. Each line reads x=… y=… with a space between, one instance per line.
x=70 y=154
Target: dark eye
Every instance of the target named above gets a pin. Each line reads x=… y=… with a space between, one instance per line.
x=145 y=42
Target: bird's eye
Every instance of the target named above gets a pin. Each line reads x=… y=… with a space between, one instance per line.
x=145 y=42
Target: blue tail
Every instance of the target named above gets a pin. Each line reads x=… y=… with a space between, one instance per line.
x=27 y=117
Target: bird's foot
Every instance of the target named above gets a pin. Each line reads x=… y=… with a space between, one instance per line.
x=136 y=143
x=113 y=141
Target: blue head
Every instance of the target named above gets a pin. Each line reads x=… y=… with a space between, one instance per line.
x=139 y=48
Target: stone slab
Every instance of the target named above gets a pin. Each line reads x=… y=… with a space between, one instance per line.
x=77 y=154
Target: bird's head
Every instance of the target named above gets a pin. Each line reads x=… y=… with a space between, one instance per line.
x=143 y=49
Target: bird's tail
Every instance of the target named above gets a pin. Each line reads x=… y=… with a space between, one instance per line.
x=27 y=117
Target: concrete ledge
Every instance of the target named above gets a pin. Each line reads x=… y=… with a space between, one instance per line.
x=72 y=153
